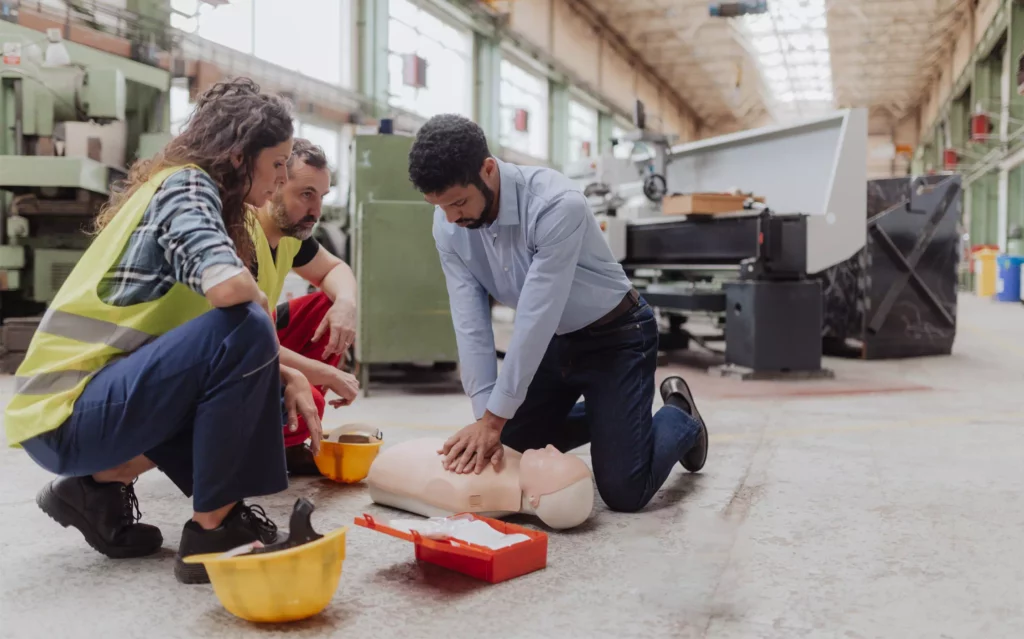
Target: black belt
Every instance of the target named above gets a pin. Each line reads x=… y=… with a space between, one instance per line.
x=629 y=301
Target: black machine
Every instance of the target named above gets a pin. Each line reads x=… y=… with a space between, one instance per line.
x=772 y=311
x=897 y=297
x=837 y=259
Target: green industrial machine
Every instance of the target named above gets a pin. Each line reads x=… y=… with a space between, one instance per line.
x=74 y=118
x=404 y=315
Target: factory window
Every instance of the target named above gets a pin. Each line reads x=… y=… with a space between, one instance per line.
x=582 y=131
x=524 y=111
x=181 y=105
x=230 y=25
x=275 y=31
x=303 y=36
x=429 y=63
x=330 y=140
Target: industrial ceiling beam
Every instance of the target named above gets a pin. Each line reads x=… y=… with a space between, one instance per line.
x=584 y=8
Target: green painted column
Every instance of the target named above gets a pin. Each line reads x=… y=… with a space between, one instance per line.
x=372 y=34
x=1015 y=41
x=927 y=160
x=559 y=125
x=487 y=88
x=984 y=192
x=917 y=162
x=605 y=124
x=981 y=90
x=958 y=121
x=1015 y=197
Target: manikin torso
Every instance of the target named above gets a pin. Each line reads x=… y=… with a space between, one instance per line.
x=556 y=487
x=410 y=476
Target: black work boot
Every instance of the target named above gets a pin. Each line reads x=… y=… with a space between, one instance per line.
x=676 y=393
x=243 y=525
x=106 y=514
x=300 y=461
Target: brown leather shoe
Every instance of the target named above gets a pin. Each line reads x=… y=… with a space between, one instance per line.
x=674 y=389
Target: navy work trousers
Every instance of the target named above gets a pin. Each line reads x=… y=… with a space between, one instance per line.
x=202 y=402
x=612 y=367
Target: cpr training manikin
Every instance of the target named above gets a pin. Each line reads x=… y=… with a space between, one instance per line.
x=555 y=487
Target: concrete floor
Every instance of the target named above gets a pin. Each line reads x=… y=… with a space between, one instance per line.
x=844 y=511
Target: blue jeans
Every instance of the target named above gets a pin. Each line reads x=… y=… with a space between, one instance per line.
x=202 y=402
x=613 y=368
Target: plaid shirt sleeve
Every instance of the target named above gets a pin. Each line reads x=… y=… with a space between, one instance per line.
x=192 y=232
x=181 y=234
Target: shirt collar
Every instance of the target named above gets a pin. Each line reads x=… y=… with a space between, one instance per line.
x=508 y=197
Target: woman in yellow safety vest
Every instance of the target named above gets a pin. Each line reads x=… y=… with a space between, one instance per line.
x=159 y=351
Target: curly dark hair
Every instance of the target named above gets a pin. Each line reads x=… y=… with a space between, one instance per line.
x=229 y=117
x=449 y=151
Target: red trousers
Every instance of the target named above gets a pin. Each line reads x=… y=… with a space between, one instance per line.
x=297 y=321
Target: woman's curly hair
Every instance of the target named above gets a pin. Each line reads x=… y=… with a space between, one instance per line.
x=229 y=118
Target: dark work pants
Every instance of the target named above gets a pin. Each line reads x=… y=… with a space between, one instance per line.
x=613 y=368
x=202 y=402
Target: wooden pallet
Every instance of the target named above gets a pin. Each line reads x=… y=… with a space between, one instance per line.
x=704 y=203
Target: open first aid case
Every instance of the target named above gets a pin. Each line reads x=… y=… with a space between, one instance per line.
x=481 y=562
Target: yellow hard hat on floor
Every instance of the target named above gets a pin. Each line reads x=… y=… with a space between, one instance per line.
x=288 y=581
x=347 y=453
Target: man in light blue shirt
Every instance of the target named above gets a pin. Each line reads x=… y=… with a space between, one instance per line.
x=526 y=236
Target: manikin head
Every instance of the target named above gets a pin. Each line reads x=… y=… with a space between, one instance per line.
x=558 y=488
x=296 y=205
x=450 y=164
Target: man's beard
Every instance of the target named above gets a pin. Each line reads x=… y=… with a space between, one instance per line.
x=486 y=216
x=301 y=230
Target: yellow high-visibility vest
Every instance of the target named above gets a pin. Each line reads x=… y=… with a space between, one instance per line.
x=80 y=334
x=271 y=271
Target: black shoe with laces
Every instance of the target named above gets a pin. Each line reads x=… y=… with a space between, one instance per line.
x=243 y=524
x=107 y=514
x=677 y=393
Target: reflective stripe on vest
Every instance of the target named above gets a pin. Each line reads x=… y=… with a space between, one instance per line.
x=93 y=331
x=81 y=329
x=46 y=383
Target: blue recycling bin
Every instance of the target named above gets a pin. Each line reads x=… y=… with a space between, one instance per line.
x=1008 y=278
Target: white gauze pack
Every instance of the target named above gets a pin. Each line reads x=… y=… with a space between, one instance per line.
x=470 y=531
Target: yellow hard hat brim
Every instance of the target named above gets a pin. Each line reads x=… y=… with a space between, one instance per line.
x=217 y=558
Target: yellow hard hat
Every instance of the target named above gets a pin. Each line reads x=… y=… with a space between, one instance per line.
x=347 y=453
x=291 y=580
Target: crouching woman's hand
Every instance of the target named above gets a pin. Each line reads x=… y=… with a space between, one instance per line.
x=298 y=401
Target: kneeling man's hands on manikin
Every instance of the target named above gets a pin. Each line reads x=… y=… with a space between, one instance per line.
x=298 y=400
x=473 y=447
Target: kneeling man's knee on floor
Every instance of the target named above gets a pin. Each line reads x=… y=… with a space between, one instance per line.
x=623 y=495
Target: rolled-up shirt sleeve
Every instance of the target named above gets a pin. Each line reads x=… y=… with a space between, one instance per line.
x=558 y=240
x=193 y=236
x=474 y=334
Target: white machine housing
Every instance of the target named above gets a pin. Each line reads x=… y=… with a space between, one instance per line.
x=817 y=167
